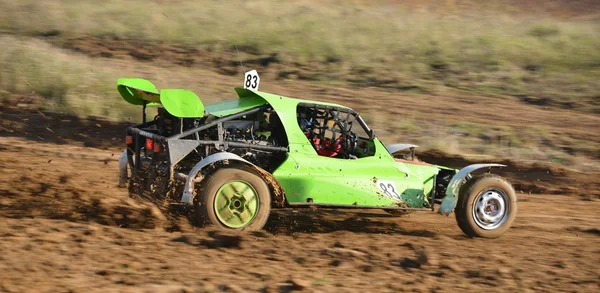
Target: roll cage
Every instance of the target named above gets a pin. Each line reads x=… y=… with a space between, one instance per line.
x=180 y=144
x=330 y=128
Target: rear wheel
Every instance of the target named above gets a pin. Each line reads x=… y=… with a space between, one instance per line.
x=487 y=206
x=234 y=199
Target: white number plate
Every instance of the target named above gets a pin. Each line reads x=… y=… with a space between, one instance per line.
x=251 y=80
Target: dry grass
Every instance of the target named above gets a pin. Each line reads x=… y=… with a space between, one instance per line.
x=66 y=82
x=487 y=51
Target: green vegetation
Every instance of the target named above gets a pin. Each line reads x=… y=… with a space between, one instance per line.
x=539 y=59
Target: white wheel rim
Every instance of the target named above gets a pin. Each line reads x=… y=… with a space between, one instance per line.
x=490 y=209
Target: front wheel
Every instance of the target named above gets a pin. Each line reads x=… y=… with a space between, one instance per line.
x=234 y=199
x=487 y=206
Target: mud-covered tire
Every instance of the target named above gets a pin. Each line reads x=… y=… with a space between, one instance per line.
x=486 y=207
x=233 y=198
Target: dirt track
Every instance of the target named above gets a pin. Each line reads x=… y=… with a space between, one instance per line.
x=66 y=227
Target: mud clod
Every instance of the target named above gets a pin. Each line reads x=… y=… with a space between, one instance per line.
x=335 y=263
x=410 y=263
x=427 y=257
x=451 y=266
x=298 y=284
x=184 y=239
x=221 y=240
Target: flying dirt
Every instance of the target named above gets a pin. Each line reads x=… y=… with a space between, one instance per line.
x=66 y=226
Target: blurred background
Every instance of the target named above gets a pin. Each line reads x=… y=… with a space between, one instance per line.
x=504 y=79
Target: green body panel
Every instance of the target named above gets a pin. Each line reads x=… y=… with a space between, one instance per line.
x=325 y=180
x=229 y=107
x=418 y=185
x=305 y=175
x=138 y=91
x=182 y=103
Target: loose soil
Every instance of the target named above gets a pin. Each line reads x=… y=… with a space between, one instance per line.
x=65 y=226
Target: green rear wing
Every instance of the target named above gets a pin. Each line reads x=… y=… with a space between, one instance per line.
x=178 y=102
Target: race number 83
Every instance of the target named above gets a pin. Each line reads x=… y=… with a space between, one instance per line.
x=389 y=189
x=251 y=80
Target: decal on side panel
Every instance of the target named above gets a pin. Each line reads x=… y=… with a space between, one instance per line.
x=388 y=188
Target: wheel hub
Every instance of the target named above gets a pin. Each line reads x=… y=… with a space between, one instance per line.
x=490 y=209
x=236 y=204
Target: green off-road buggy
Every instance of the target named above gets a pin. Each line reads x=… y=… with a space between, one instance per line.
x=237 y=159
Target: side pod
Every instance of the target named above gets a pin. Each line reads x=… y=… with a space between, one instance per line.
x=449 y=201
